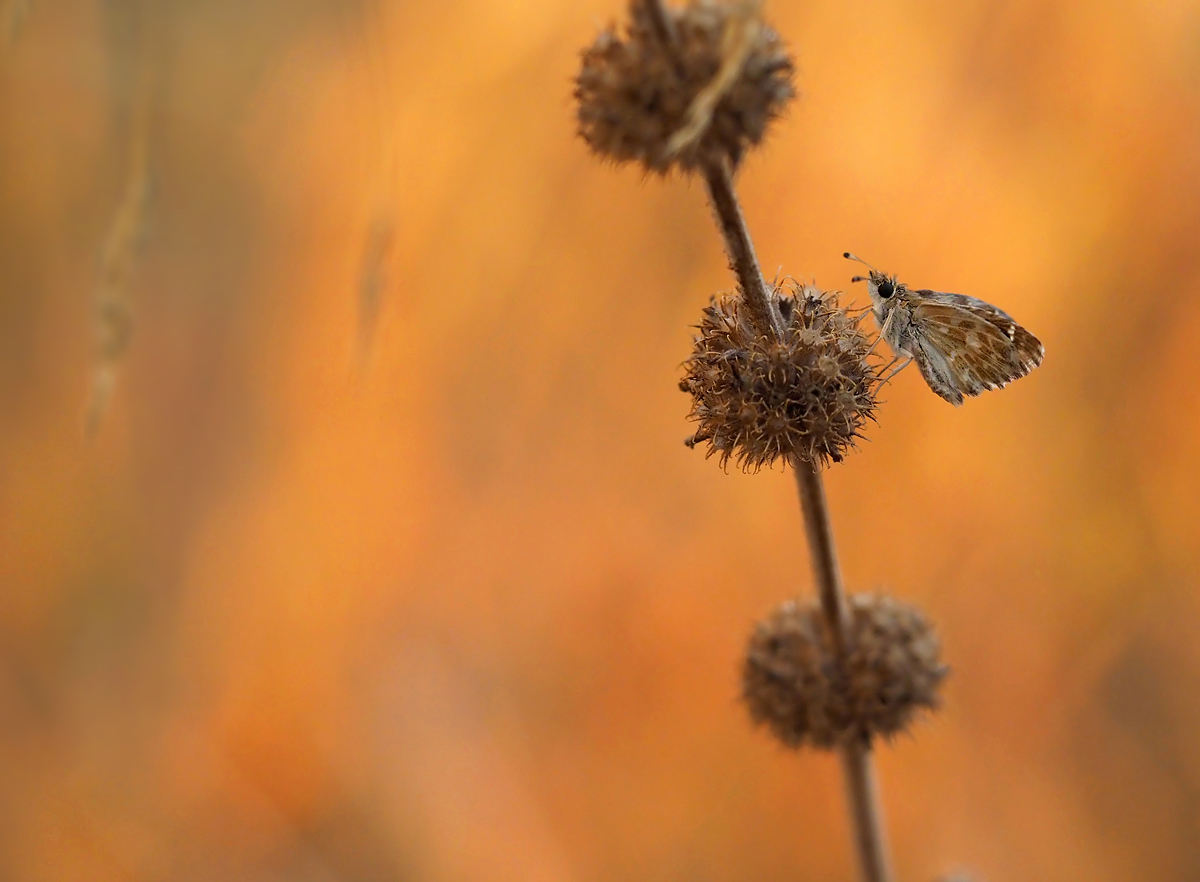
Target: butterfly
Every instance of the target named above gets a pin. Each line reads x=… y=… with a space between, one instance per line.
x=961 y=344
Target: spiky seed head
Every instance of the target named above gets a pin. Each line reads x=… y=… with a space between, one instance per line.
x=634 y=94
x=756 y=399
x=794 y=683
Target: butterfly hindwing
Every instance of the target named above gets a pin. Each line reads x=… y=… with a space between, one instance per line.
x=965 y=345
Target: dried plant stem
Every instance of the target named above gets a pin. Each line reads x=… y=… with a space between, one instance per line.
x=862 y=789
x=858 y=769
x=17 y=12
x=824 y=557
x=379 y=245
x=740 y=248
x=719 y=179
x=113 y=313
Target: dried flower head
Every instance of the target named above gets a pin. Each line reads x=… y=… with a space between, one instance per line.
x=708 y=95
x=794 y=683
x=759 y=399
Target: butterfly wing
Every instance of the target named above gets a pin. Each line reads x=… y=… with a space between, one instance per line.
x=964 y=345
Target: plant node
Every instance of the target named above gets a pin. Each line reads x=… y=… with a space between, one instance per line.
x=708 y=96
x=795 y=684
x=758 y=399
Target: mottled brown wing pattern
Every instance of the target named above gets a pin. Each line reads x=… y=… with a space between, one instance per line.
x=964 y=346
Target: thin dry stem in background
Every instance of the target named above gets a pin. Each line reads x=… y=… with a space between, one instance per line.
x=113 y=308
x=380 y=236
x=16 y=14
x=373 y=276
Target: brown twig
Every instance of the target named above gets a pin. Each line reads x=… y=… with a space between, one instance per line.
x=380 y=241
x=858 y=769
x=862 y=790
x=826 y=572
x=719 y=179
x=742 y=260
x=113 y=314
x=17 y=13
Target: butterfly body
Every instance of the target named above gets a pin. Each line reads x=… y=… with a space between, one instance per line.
x=962 y=345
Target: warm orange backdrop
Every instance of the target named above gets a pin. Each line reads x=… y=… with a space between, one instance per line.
x=464 y=607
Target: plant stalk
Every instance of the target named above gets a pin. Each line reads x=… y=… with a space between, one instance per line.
x=858 y=770
x=742 y=260
x=719 y=178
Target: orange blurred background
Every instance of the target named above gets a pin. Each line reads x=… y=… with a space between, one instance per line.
x=442 y=595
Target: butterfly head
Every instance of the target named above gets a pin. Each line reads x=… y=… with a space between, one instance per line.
x=880 y=286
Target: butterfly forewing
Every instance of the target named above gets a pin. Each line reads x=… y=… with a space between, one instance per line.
x=965 y=345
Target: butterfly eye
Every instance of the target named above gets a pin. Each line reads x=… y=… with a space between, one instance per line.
x=886 y=289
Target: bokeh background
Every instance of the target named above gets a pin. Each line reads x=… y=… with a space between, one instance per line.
x=387 y=560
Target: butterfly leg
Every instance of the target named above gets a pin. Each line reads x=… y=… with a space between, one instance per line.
x=886 y=379
x=887 y=323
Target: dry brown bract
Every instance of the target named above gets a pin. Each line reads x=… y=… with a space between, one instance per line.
x=634 y=94
x=757 y=399
x=794 y=684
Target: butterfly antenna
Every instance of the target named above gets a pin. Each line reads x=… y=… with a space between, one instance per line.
x=850 y=256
